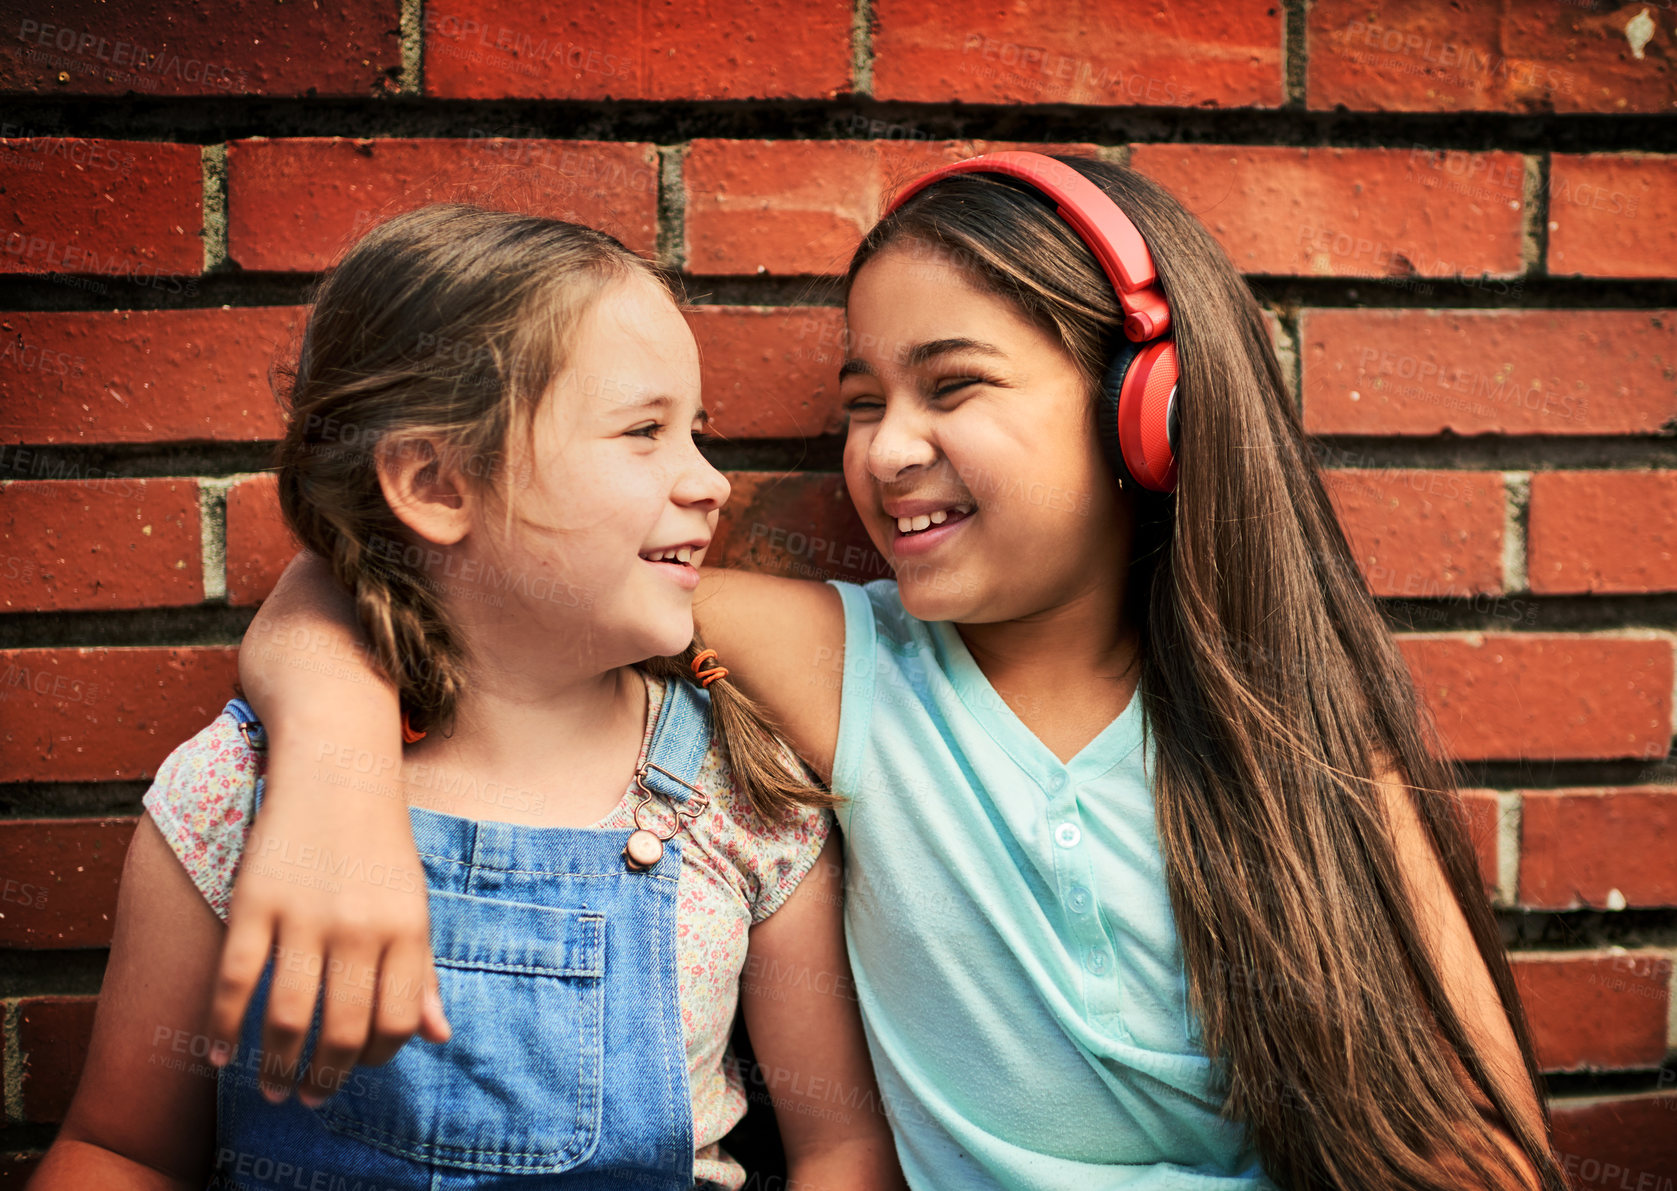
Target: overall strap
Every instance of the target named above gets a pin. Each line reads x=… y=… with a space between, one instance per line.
x=679 y=741
x=255 y=734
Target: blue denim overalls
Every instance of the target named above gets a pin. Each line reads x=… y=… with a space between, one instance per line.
x=568 y=1065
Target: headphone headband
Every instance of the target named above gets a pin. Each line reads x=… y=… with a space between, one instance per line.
x=1098 y=221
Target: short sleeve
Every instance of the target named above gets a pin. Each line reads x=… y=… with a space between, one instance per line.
x=785 y=852
x=765 y=858
x=202 y=800
x=861 y=643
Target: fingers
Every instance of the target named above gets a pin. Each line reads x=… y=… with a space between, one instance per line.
x=345 y=1017
x=298 y=963
x=402 y=987
x=357 y=1026
x=243 y=956
x=433 y=1022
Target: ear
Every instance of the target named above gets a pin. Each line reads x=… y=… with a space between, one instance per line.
x=427 y=493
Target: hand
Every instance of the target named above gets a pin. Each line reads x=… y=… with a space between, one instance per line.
x=350 y=922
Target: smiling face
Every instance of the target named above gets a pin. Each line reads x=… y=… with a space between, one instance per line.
x=971 y=454
x=620 y=505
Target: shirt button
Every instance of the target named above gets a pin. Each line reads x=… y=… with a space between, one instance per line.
x=1078 y=900
x=1067 y=835
x=1057 y=782
x=1096 y=961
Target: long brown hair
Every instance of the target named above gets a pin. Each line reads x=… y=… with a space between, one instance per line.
x=448 y=324
x=1278 y=702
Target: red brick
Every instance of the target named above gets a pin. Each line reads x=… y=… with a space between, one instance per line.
x=1422 y=534
x=1551 y=696
x=66 y=873
x=800 y=525
x=1603 y=531
x=1610 y=215
x=100 y=544
x=681 y=49
x=258 y=542
x=1342 y=212
x=1410 y=372
x=1612 y=1143
x=142 y=375
x=1125 y=52
x=771 y=373
x=87 y=47
x=75 y=715
x=115 y=208
x=53 y=1038
x=1579 y=847
x=297 y=205
x=1483 y=815
x=1437 y=55
x=1594 y=1010
x=801 y=207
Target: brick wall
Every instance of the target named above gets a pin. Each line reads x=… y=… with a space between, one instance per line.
x=1456 y=215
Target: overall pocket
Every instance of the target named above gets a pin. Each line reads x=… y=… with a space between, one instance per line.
x=517 y=1087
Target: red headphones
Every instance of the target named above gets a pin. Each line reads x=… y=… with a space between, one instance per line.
x=1138 y=422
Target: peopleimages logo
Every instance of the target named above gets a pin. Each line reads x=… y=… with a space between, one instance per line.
x=40 y=251
x=1383 y=47
x=30 y=149
x=1043 y=69
x=145 y=66
x=526 y=48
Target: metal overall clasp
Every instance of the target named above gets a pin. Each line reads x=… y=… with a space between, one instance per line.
x=646 y=847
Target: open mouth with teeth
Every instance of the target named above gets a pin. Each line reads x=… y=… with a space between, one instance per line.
x=681 y=556
x=908 y=526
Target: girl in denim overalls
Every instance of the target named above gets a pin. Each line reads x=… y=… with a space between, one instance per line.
x=492 y=436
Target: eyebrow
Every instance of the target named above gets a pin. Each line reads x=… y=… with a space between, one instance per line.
x=664 y=401
x=920 y=353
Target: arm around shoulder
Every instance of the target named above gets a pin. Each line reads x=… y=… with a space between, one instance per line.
x=305 y=648
x=783 y=641
x=334 y=753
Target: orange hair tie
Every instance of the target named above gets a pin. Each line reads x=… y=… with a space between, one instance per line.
x=706 y=677
x=409 y=733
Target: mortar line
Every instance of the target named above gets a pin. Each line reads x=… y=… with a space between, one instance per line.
x=1290 y=319
x=214 y=160
x=1295 y=42
x=412 y=26
x=861 y=47
x=1671 y=1007
x=1673 y=725
x=13 y=1059
x=672 y=206
x=212 y=534
x=1509 y=822
x=1516 y=522
x=1534 y=215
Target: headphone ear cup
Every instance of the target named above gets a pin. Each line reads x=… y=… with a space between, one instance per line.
x=1112 y=387
x=1138 y=415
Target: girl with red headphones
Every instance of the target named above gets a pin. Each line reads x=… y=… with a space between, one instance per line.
x=1154 y=878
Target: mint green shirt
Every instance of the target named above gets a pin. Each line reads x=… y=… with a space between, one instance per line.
x=1012 y=940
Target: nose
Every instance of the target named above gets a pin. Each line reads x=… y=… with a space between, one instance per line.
x=900 y=443
x=700 y=485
